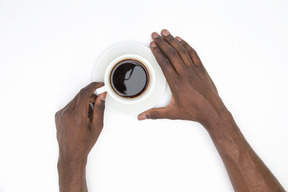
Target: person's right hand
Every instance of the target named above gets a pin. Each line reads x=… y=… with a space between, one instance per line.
x=194 y=95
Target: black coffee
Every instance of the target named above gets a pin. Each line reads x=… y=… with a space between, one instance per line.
x=129 y=78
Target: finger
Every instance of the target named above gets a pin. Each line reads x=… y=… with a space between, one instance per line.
x=170 y=52
x=178 y=47
x=196 y=59
x=92 y=98
x=84 y=96
x=98 y=113
x=156 y=113
x=166 y=66
x=194 y=56
x=70 y=106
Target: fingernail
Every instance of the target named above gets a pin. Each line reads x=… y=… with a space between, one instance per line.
x=142 y=117
x=103 y=96
x=178 y=38
x=155 y=35
x=153 y=44
x=165 y=32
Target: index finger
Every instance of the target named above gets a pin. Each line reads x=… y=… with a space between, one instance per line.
x=83 y=98
x=170 y=53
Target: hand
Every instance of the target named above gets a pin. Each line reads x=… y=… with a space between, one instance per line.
x=78 y=126
x=194 y=95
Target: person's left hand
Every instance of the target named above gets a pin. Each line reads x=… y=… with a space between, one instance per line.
x=78 y=126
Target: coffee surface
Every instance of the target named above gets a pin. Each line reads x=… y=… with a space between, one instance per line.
x=129 y=78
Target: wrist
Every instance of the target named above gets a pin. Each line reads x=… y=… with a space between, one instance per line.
x=67 y=164
x=222 y=122
x=227 y=137
x=70 y=167
x=71 y=159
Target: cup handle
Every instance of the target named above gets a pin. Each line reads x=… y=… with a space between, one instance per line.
x=100 y=90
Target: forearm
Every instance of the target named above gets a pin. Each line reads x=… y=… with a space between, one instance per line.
x=246 y=170
x=72 y=176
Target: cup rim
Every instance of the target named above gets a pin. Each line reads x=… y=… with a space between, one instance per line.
x=139 y=98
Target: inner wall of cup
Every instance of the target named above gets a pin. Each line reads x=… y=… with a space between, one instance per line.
x=146 y=92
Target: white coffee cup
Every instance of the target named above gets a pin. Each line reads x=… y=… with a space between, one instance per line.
x=108 y=87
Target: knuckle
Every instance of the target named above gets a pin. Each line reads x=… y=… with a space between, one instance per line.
x=82 y=91
x=183 y=51
x=165 y=62
x=193 y=52
x=56 y=116
x=171 y=52
x=189 y=74
x=66 y=114
x=157 y=51
x=184 y=43
x=201 y=69
x=80 y=95
x=177 y=81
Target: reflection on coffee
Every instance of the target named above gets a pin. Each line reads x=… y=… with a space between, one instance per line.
x=129 y=78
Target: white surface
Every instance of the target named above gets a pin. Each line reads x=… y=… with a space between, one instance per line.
x=156 y=86
x=47 y=53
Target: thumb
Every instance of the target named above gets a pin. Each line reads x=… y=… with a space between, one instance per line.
x=156 y=113
x=98 y=111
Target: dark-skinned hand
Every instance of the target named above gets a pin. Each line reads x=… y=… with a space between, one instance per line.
x=194 y=95
x=78 y=126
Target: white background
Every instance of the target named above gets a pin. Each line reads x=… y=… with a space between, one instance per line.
x=47 y=52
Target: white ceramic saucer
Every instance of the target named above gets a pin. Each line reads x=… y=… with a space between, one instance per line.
x=130 y=48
